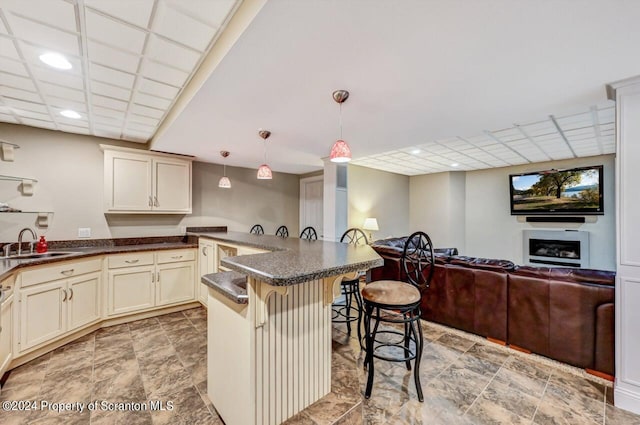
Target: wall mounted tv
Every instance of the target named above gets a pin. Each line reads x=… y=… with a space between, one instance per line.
x=573 y=191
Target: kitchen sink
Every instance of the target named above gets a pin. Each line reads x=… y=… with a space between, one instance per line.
x=41 y=255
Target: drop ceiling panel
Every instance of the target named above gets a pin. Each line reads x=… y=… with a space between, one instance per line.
x=152 y=101
x=20 y=94
x=44 y=35
x=112 y=76
x=17 y=82
x=57 y=13
x=113 y=57
x=168 y=52
x=58 y=78
x=182 y=28
x=108 y=102
x=121 y=9
x=7 y=49
x=158 y=89
x=12 y=66
x=118 y=34
x=63 y=92
x=163 y=73
x=110 y=90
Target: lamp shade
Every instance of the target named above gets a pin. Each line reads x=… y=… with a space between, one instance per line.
x=224 y=182
x=340 y=152
x=264 y=172
x=370 y=224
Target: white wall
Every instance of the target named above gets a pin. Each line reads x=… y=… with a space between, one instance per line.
x=474 y=215
x=69 y=170
x=491 y=230
x=379 y=194
x=437 y=207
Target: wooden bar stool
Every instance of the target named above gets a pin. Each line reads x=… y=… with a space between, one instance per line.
x=398 y=303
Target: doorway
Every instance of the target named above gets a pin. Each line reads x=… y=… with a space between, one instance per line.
x=311 y=191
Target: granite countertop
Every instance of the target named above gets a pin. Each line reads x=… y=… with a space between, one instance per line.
x=292 y=260
x=232 y=285
x=100 y=247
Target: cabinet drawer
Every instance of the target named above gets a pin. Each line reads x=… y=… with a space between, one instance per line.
x=175 y=256
x=132 y=259
x=60 y=271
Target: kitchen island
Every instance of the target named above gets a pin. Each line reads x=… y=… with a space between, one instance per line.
x=269 y=350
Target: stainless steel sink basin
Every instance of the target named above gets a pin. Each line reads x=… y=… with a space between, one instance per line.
x=42 y=255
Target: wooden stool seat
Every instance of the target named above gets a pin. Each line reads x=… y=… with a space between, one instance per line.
x=391 y=293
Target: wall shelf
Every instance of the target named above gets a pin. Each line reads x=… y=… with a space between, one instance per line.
x=17 y=179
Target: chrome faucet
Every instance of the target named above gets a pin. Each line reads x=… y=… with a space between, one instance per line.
x=35 y=238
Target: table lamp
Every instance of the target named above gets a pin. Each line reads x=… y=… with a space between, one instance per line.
x=370 y=224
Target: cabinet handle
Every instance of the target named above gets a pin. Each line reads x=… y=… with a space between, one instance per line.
x=158 y=279
x=155 y=201
x=204 y=251
x=2 y=293
x=176 y=257
x=71 y=292
x=65 y=295
x=131 y=261
x=153 y=277
x=67 y=272
x=150 y=201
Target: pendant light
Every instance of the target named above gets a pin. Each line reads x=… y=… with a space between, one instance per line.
x=340 y=151
x=264 y=172
x=224 y=182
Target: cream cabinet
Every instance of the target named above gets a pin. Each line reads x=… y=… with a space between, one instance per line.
x=51 y=309
x=6 y=326
x=141 y=182
x=145 y=280
x=207 y=265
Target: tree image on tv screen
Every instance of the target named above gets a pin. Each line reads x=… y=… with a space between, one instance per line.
x=557 y=191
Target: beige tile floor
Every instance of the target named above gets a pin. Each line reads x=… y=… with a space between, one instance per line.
x=466 y=380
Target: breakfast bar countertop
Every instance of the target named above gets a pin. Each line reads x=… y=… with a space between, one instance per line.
x=291 y=260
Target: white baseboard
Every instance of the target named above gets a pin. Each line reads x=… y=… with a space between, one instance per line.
x=627 y=400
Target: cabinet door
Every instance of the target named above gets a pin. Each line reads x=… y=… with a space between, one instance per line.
x=6 y=322
x=83 y=303
x=127 y=182
x=172 y=185
x=206 y=262
x=175 y=283
x=130 y=289
x=43 y=313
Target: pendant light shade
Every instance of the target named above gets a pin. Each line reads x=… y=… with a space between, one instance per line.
x=340 y=151
x=224 y=182
x=264 y=171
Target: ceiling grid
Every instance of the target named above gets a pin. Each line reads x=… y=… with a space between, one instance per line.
x=129 y=64
x=588 y=133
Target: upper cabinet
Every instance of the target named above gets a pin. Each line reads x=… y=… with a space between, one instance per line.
x=146 y=182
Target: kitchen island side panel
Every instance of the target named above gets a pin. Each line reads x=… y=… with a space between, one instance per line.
x=292 y=353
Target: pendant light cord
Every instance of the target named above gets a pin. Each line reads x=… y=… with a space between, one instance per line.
x=340 y=104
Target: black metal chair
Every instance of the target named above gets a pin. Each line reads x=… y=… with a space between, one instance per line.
x=347 y=313
x=396 y=302
x=257 y=230
x=283 y=232
x=309 y=233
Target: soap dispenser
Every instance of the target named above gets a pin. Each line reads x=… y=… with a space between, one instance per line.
x=41 y=246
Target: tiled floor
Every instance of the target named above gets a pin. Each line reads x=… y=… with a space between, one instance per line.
x=465 y=381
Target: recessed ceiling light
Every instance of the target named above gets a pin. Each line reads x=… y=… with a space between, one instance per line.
x=70 y=114
x=416 y=151
x=55 y=60
x=455 y=164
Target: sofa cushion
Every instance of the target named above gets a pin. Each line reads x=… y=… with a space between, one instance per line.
x=483 y=263
x=599 y=277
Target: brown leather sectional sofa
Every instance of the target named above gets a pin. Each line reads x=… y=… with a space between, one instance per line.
x=561 y=313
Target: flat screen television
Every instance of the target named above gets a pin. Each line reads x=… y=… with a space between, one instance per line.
x=573 y=191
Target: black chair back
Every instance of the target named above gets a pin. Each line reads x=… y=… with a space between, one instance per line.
x=354 y=236
x=257 y=230
x=283 y=232
x=309 y=233
x=417 y=260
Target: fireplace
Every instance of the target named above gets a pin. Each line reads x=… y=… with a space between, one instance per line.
x=566 y=248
